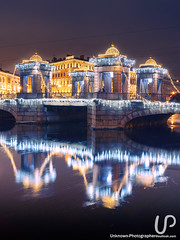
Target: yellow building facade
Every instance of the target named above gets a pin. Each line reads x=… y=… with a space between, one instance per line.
x=61 y=81
x=9 y=83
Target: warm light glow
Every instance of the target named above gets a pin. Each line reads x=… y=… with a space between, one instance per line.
x=151 y=63
x=35 y=58
x=69 y=57
x=112 y=51
x=61 y=77
x=9 y=83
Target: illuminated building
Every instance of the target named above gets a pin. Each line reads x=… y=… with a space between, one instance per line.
x=35 y=75
x=9 y=83
x=112 y=72
x=82 y=80
x=61 y=79
x=150 y=77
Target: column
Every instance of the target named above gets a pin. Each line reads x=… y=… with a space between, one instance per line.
x=97 y=81
x=159 y=86
x=117 y=84
x=86 y=84
x=47 y=84
x=74 y=87
x=81 y=86
x=50 y=82
x=126 y=81
x=36 y=83
x=154 y=95
x=24 y=84
x=159 y=90
x=138 y=83
x=154 y=86
x=100 y=80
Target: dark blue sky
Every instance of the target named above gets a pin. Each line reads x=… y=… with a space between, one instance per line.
x=139 y=29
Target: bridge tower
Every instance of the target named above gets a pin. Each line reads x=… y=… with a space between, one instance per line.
x=35 y=75
x=112 y=71
x=82 y=81
x=149 y=78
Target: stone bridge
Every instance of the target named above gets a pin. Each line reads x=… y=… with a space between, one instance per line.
x=107 y=114
x=99 y=114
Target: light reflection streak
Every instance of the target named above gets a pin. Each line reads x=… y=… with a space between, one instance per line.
x=10 y=156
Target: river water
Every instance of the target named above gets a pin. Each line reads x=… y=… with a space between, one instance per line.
x=70 y=182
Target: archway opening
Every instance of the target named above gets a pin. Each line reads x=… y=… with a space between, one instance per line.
x=7 y=120
x=149 y=120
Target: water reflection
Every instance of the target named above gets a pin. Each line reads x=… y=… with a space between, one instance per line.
x=174 y=121
x=110 y=163
x=34 y=172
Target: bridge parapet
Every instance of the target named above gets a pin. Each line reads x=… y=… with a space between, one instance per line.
x=101 y=114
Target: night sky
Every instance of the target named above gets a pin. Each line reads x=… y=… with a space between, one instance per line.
x=138 y=28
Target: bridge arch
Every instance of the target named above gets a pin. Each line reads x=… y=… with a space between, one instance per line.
x=146 y=117
x=7 y=117
x=8 y=111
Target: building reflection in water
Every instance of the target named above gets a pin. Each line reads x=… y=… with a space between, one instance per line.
x=34 y=172
x=110 y=164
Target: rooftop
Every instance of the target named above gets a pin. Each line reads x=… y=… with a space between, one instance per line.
x=150 y=63
x=69 y=58
x=35 y=58
x=112 y=51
